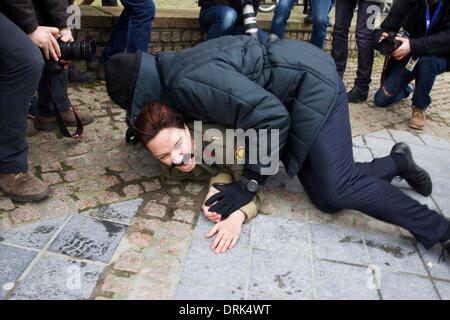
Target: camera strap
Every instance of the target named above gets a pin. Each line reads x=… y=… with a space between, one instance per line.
x=60 y=120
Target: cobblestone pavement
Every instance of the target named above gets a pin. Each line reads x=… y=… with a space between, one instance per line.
x=114 y=230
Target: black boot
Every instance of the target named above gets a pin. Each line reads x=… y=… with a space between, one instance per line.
x=357 y=95
x=78 y=76
x=416 y=176
x=445 y=250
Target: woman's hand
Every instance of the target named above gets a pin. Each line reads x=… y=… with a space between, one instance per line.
x=45 y=38
x=211 y=216
x=228 y=232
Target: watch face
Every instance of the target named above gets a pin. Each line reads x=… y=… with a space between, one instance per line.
x=252 y=186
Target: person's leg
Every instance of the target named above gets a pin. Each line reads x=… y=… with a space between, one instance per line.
x=396 y=84
x=141 y=13
x=339 y=52
x=217 y=21
x=364 y=42
x=343 y=186
x=426 y=71
x=21 y=66
x=319 y=12
x=53 y=87
x=280 y=17
x=118 y=39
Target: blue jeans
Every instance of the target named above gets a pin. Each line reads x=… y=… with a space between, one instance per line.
x=397 y=79
x=220 y=20
x=319 y=12
x=132 y=30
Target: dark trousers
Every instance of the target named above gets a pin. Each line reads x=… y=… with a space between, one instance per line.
x=132 y=30
x=220 y=20
x=334 y=181
x=398 y=78
x=344 y=16
x=21 y=66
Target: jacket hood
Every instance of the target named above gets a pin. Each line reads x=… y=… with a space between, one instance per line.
x=132 y=79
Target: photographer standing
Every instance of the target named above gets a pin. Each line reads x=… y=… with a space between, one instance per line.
x=421 y=54
x=344 y=16
x=28 y=25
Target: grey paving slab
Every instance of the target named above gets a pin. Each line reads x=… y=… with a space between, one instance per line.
x=442 y=155
x=280 y=235
x=431 y=258
x=122 y=212
x=187 y=290
x=382 y=146
x=58 y=278
x=381 y=134
x=280 y=275
x=441 y=185
x=13 y=262
x=204 y=267
x=336 y=281
x=34 y=235
x=402 y=286
x=204 y=226
x=393 y=253
x=428 y=201
x=88 y=238
x=405 y=136
x=444 y=289
x=358 y=142
x=362 y=155
x=443 y=202
x=422 y=152
x=435 y=142
x=335 y=243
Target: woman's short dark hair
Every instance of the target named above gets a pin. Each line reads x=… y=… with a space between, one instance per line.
x=154 y=118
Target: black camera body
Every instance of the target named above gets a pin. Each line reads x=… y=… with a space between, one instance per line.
x=81 y=50
x=388 y=46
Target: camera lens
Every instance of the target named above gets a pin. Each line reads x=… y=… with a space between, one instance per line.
x=78 y=50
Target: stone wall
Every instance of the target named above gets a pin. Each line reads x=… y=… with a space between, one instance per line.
x=179 y=29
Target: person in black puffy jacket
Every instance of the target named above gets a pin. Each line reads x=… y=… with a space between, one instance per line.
x=289 y=90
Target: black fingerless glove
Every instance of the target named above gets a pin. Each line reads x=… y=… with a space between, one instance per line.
x=231 y=198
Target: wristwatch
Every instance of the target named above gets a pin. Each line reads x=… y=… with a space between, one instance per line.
x=250 y=184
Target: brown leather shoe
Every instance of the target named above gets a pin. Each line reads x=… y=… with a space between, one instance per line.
x=23 y=187
x=50 y=123
x=417 y=120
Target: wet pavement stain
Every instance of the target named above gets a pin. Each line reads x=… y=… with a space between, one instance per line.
x=43 y=230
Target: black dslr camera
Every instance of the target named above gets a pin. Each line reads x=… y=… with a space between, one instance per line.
x=82 y=50
x=388 y=45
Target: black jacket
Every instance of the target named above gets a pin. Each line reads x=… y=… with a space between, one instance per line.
x=411 y=16
x=238 y=83
x=27 y=13
x=235 y=4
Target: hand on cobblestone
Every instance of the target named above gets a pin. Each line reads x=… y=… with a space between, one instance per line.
x=228 y=232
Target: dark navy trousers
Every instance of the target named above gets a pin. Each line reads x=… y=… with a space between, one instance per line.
x=334 y=181
x=21 y=66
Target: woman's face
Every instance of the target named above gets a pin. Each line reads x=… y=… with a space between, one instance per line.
x=170 y=146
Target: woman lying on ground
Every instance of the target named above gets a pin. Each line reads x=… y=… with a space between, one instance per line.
x=289 y=90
